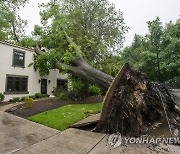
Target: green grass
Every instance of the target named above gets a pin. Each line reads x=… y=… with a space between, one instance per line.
x=63 y=117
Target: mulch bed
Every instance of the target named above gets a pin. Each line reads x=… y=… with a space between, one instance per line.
x=5 y=103
x=45 y=105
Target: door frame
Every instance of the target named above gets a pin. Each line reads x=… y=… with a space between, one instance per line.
x=43 y=85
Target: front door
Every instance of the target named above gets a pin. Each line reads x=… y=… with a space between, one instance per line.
x=43 y=86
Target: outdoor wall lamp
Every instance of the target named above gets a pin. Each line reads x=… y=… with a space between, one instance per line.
x=49 y=81
x=39 y=81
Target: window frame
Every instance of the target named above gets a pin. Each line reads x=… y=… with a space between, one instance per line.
x=16 y=92
x=13 y=60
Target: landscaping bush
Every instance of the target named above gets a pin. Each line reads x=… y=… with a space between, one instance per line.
x=94 y=90
x=44 y=95
x=16 y=99
x=38 y=95
x=1 y=97
x=29 y=102
x=22 y=98
x=61 y=93
x=176 y=81
x=32 y=96
x=78 y=89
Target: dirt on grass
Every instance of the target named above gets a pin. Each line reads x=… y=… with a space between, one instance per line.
x=44 y=105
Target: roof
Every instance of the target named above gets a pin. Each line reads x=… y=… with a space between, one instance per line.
x=17 y=46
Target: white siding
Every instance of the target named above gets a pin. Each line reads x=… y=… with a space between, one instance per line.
x=6 y=57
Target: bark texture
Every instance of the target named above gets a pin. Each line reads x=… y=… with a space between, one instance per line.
x=88 y=73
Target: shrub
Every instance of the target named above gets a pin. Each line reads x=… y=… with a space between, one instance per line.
x=1 y=97
x=61 y=93
x=94 y=90
x=22 y=98
x=38 y=95
x=16 y=99
x=32 y=96
x=78 y=89
x=176 y=81
x=29 y=102
x=44 y=95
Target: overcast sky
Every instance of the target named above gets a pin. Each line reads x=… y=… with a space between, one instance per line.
x=136 y=13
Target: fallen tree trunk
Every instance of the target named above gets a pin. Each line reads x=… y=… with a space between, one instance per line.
x=133 y=103
x=80 y=67
x=88 y=73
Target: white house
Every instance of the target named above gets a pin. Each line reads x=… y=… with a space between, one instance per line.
x=17 y=79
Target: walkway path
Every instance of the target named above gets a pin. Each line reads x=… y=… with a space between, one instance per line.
x=17 y=133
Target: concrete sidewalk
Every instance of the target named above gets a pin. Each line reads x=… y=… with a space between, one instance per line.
x=17 y=133
x=20 y=136
x=71 y=141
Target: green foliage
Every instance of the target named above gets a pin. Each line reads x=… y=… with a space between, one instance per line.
x=94 y=90
x=38 y=95
x=23 y=98
x=11 y=24
x=78 y=89
x=60 y=93
x=98 y=31
x=63 y=117
x=32 y=96
x=28 y=102
x=175 y=81
x=46 y=61
x=16 y=99
x=142 y=54
x=1 y=97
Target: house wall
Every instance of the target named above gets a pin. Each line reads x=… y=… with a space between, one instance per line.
x=34 y=86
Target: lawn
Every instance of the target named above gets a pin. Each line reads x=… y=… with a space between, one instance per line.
x=63 y=117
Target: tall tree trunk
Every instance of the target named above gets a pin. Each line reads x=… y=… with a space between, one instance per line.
x=88 y=73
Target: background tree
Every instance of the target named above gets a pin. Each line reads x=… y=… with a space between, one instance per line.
x=142 y=53
x=155 y=30
x=11 y=24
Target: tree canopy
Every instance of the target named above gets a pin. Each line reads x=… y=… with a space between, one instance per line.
x=96 y=27
x=142 y=54
x=11 y=24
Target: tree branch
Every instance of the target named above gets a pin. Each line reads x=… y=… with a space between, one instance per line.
x=70 y=41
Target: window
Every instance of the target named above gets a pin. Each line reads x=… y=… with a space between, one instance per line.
x=18 y=58
x=16 y=84
x=62 y=84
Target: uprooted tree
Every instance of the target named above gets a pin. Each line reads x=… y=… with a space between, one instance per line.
x=132 y=102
